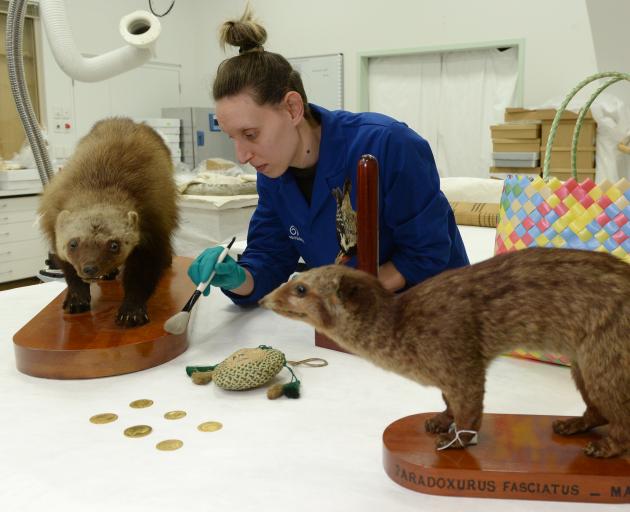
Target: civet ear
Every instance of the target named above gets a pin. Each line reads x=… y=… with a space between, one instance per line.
x=348 y=288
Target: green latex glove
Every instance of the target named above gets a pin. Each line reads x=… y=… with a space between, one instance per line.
x=229 y=274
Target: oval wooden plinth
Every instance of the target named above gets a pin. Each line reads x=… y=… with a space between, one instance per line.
x=57 y=345
x=518 y=457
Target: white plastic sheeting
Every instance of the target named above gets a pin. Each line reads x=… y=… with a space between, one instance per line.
x=449 y=98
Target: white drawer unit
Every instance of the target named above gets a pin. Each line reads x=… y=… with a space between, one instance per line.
x=16 y=204
x=18 y=231
x=23 y=248
x=21 y=269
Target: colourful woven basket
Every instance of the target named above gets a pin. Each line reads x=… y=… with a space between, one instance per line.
x=570 y=214
x=545 y=212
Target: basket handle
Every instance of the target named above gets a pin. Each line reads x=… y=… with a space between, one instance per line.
x=615 y=77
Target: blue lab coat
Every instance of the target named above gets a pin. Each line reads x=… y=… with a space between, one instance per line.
x=417 y=227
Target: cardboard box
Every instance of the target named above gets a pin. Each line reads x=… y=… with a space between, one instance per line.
x=515 y=145
x=564 y=134
x=565 y=174
x=520 y=156
x=534 y=171
x=561 y=157
x=515 y=131
x=476 y=214
x=504 y=172
x=523 y=164
x=547 y=114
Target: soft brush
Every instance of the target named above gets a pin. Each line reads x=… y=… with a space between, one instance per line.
x=177 y=323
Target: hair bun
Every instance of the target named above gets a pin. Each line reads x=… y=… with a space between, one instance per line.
x=244 y=33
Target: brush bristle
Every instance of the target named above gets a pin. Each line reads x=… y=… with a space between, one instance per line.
x=177 y=323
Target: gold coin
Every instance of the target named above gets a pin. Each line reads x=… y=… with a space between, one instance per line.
x=106 y=417
x=210 y=426
x=175 y=415
x=138 y=431
x=141 y=404
x=169 y=445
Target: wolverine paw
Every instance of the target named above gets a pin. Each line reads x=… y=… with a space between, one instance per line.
x=132 y=315
x=76 y=302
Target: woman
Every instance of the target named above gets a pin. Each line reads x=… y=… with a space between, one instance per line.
x=302 y=152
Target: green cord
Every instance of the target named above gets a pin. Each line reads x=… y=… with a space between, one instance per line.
x=293 y=377
x=580 y=119
x=192 y=369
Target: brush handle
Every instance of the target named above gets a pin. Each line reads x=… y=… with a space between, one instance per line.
x=191 y=302
x=201 y=287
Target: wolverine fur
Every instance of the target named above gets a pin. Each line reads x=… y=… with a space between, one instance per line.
x=446 y=330
x=113 y=204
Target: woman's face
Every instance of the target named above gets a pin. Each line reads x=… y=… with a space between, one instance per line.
x=265 y=136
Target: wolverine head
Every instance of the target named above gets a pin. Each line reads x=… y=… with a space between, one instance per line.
x=97 y=240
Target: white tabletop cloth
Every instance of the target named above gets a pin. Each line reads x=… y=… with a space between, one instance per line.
x=322 y=452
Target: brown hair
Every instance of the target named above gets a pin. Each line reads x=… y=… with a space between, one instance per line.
x=267 y=76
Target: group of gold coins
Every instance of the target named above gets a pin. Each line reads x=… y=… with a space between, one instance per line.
x=145 y=430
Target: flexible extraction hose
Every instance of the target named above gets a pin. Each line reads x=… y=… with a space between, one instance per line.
x=17 y=80
x=139 y=29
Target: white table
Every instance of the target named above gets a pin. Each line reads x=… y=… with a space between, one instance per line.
x=321 y=452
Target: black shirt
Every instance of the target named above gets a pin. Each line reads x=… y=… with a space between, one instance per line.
x=305 y=178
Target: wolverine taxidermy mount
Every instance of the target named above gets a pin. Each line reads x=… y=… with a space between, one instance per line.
x=113 y=205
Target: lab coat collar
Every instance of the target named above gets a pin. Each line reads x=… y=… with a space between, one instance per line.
x=331 y=165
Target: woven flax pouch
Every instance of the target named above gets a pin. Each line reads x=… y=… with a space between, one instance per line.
x=248 y=368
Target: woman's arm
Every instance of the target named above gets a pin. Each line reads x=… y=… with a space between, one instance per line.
x=247 y=287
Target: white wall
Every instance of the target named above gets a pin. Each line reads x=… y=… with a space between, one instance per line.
x=94 y=25
x=558 y=44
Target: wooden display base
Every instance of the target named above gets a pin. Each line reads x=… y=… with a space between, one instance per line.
x=518 y=457
x=57 y=345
